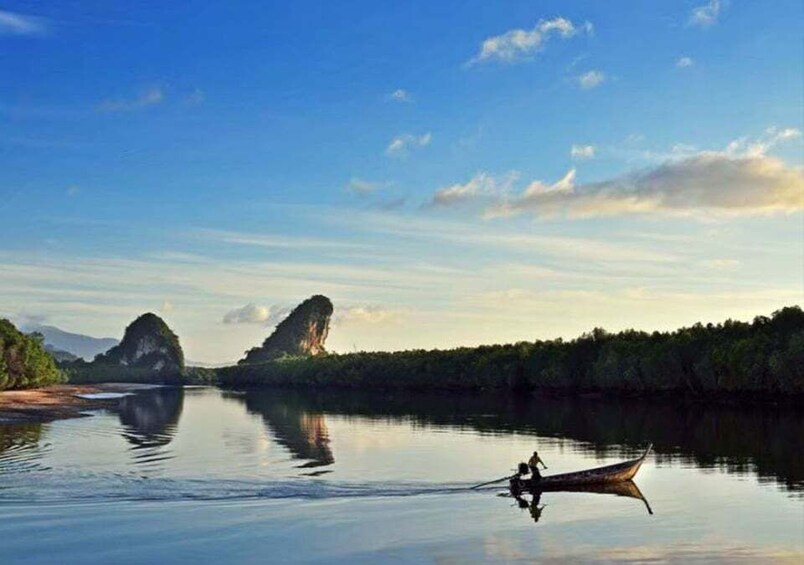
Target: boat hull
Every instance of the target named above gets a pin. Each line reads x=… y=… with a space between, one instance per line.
x=617 y=473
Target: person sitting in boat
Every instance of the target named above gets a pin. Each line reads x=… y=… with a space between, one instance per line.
x=533 y=465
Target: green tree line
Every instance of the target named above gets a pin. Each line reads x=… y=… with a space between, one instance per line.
x=763 y=356
x=24 y=362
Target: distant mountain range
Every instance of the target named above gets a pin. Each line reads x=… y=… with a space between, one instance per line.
x=60 y=355
x=81 y=345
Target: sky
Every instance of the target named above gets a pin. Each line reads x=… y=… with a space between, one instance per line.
x=448 y=173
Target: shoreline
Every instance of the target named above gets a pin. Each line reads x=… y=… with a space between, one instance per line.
x=65 y=401
x=58 y=402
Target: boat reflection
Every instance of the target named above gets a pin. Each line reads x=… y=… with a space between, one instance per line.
x=535 y=506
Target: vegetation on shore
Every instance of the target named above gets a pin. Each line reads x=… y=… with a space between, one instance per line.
x=82 y=372
x=764 y=356
x=24 y=361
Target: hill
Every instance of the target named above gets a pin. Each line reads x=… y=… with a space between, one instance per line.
x=302 y=333
x=148 y=352
x=84 y=346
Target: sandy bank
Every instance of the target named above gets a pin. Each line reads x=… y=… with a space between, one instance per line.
x=60 y=401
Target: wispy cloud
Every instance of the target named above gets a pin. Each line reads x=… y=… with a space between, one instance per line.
x=580 y=152
x=438 y=233
x=402 y=144
x=150 y=97
x=400 y=95
x=705 y=15
x=519 y=44
x=769 y=139
x=481 y=184
x=12 y=23
x=271 y=240
x=363 y=187
x=196 y=98
x=370 y=314
x=392 y=204
x=721 y=263
x=684 y=62
x=591 y=79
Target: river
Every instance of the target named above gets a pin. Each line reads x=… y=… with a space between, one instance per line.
x=201 y=475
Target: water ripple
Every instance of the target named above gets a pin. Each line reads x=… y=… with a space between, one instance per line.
x=77 y=487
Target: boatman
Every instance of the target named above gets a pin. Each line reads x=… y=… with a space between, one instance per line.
x=533 y=465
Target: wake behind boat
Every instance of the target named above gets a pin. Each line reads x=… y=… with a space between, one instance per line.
x=617 y=473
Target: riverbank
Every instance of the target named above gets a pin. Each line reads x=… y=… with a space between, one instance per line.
x=764 y=358
x=60 y=401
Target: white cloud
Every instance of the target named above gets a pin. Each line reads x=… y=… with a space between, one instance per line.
x=167 y=307
x=582 y=152
x=400 y=95
x=684 y=62
x=401 y=144
x=253 y=314
x=705 y=15
x=770 y=138
x=591 y=79
x=741 y=179
x=248 y=314
x=480 y=184
x=12 y=23
x=149 y=97
x=706 y=183
x=363 y=315
x=518 y=44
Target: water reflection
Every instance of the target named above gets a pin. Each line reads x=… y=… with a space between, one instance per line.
x=19 y=447
x=150 y=419
x=18 y=436
x=294 y=426
x=532 y=501
x=533 y=506
x=756 y=439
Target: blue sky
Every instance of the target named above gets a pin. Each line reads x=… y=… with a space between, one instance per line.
x=450 y=173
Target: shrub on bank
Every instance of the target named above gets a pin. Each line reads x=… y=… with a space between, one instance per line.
x=24 y=361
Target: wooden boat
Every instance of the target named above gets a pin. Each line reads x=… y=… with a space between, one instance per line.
x=617 y=473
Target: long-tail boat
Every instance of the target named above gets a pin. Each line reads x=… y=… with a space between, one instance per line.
x=617 y=473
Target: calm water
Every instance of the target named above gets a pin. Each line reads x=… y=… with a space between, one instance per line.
x=205 y=476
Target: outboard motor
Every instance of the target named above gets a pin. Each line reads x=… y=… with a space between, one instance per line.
x=515 y=482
